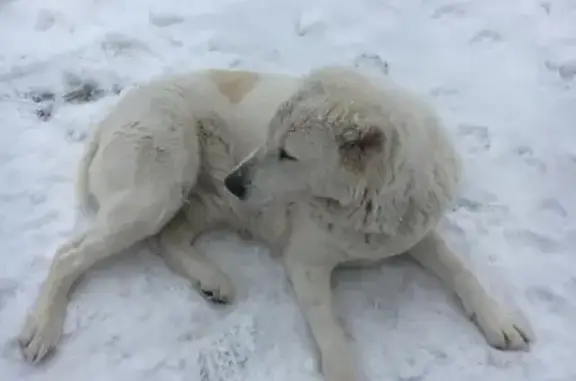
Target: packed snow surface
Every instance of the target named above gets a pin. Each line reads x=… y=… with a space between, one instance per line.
x=502 y=74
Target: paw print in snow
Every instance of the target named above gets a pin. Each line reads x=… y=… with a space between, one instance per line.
x=486 y=35
x=45 y=20
x=45 y=100
x=117 y=44
x=547 y=296
x=162 y=20
x=44 y=113
x=527 y=155
x=457 y=9
x=529 y=238
x=476 y=205
x=371 y=61
x=310 y=22
x=565 y=70
x=477 y=138
x=444 y=91
x=8 y=288
x=80 y=90
x=553 y=206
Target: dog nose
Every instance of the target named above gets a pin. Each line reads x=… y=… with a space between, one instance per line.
x=234 y=182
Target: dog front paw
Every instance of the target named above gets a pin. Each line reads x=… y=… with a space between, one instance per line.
x=502 y=328
x=217 y=288
x=338 y=370
x=339 y=364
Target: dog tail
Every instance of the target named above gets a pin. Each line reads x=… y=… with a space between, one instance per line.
x=84 y=199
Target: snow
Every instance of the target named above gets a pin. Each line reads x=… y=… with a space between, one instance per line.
x=502 y=74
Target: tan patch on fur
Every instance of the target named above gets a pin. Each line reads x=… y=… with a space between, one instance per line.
x=357 y=147
x=234 y=84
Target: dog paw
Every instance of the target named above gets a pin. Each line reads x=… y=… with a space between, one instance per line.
x=504 y=329
x=217 y=289
x=338 y=359
x=336 y=368
x=40 y=335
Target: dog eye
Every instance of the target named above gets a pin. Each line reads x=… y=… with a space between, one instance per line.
x=283 y=155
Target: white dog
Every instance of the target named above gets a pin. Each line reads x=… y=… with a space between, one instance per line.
x=332 y=168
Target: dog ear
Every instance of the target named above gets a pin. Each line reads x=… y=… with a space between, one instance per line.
x=357 y=147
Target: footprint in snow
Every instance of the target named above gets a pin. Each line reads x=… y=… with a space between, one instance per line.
x=450 y=10
x=527 y=155
x=372 y=61
x=553 y=206
x=477 y=138
x=486 y=35
x=530 y=238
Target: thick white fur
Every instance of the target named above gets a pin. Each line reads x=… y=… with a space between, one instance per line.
x=370 y=174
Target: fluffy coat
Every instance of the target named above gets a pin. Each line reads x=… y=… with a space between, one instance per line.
x=329 y=169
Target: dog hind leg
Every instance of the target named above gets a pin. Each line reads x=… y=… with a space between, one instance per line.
x=118 y=225
x=501 y=328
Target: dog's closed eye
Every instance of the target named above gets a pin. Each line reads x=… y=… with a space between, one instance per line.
x=283 y=155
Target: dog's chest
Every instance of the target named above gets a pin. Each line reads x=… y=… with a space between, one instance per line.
x=372 y=246
x=272 y=225
x=368 y=247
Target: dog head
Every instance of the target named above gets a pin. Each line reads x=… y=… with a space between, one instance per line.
x=325 y=141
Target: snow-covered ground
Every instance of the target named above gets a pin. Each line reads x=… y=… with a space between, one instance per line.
x=502 y=73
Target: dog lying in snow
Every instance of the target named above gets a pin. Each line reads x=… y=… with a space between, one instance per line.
x=332 y=168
